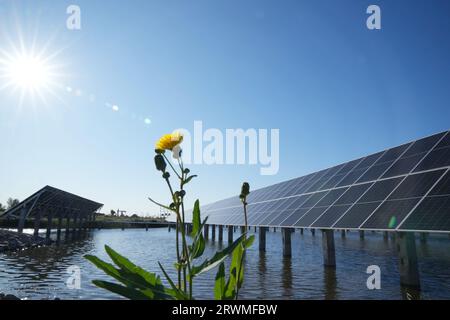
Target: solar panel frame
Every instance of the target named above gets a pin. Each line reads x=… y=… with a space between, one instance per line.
x=310 y=192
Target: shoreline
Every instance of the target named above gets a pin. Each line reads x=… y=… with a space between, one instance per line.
x=13 y=241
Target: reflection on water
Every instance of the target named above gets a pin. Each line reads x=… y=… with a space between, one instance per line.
x=330 y=283
x=41 y=273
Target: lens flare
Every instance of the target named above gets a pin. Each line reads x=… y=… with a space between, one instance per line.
x=28 y=72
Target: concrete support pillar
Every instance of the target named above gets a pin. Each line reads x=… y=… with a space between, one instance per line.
x=85 y=223
x=287 y=248
x=37 y=222
x=230 y=234
x=80 y=222
x=67 y=226
x=343 y=234
x=407 y=256
x=243 y=229
x=75 y=222
x=361 y=234
x=394 y=236
x=274 y=229
x=213 y=232
x=262 y=238
x=23 y=216
x=89 y=221
x=301 y=230
x=423 y=237
x=58 y=232
x=220 y=233
x=329 y=255
x=313 y=232
x=385 y=235
x=49 y=225
x=206 y=232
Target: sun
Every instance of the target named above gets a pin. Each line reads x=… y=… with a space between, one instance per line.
x=28 y=72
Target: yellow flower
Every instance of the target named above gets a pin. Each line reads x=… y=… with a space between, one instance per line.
x=169 y=141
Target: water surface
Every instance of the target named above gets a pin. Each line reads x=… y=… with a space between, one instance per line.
x=41 y=273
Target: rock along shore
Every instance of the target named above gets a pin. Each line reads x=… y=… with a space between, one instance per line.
x=13 y=241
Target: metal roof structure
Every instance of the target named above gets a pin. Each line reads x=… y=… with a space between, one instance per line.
x=50 y=201
x=405 y=188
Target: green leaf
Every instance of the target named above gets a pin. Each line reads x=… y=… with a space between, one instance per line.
x=249 y=241
x=123 y=291
x=218 y=258
x=106 y=267
x=219 y=286
x=237 y=268
x=197 y=248
x=131 y=268
x=136 y=278
x=177 y=293
x=196 y=221
x=189 y=179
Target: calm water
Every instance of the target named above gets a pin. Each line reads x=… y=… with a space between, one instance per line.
x=41 y=273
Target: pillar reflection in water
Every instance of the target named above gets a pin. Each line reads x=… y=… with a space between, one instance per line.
x=410 y=293
x=262 y=270
x=287 y=277
x=330 y=283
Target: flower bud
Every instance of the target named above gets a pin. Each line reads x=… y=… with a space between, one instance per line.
x=245 y=191
x=160 y=163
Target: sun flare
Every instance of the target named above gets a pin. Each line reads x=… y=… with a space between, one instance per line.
x=28 y=72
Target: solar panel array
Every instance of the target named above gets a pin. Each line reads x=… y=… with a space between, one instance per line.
x=403 y=188
x=52 y=200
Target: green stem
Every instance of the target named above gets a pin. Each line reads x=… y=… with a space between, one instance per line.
x=177 y=233
x=170 y=164
x=186 y=249
x=243 y=253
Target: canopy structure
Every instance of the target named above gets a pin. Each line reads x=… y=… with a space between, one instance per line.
x=51 y=202
x=404 y=188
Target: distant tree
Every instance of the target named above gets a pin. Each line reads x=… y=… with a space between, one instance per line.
x=135 y=216
x=2 y=208
x=10 y=203
x=113 y=213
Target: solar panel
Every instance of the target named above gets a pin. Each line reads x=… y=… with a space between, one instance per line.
x=402 y=188
x=330 y=216
x=390 y=213
x=443 y=186
x=50 y=201
x=356 y=215
x=331 y=197
x=433 y=214
x=353 y=194
x=310 y=217
x=294 y=217
x=380 y=190
x=445 y=142
x=416 y=185
x=437 y=158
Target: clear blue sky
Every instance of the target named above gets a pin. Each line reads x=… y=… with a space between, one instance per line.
x=335 y=89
